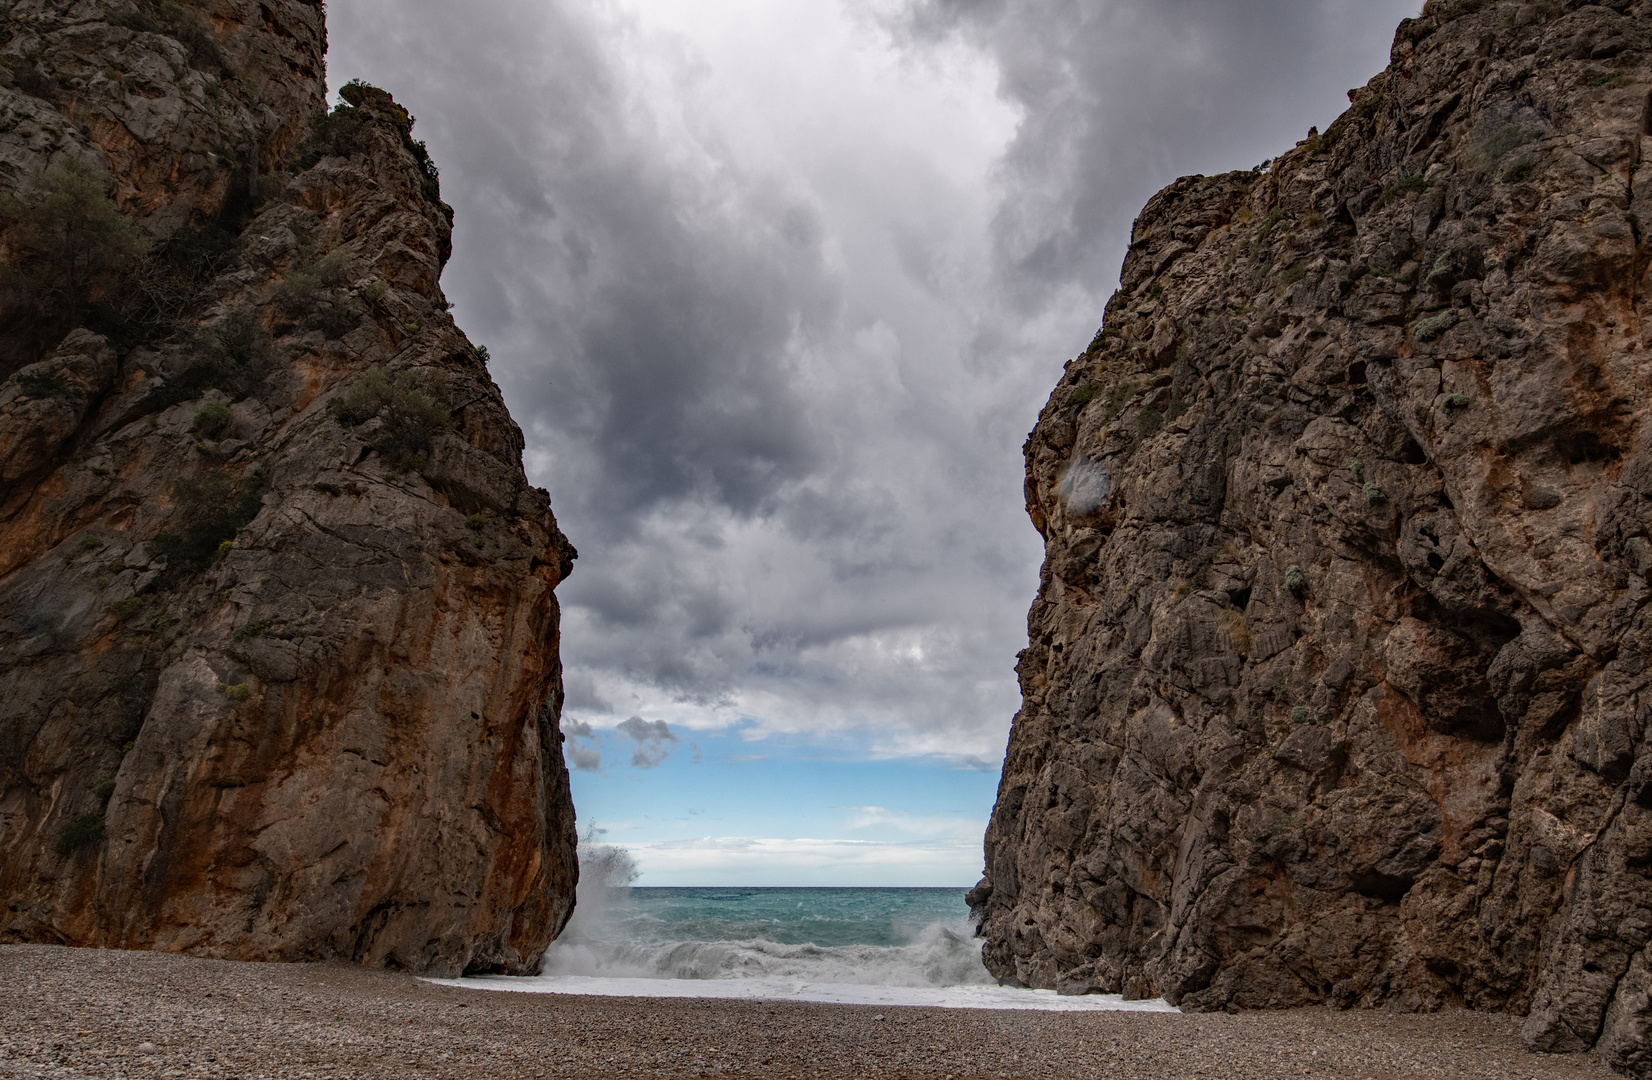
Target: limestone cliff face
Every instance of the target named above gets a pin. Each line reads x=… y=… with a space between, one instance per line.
x=1337 y=687
x=278 y=638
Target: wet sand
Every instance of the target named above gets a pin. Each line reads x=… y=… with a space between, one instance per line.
x=68 y=1013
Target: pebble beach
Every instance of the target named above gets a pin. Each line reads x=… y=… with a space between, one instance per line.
x=68 y=1013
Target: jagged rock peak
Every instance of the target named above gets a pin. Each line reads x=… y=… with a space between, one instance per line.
x=1337 y=686
x=278 y=636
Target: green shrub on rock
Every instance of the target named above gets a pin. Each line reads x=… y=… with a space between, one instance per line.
x=410 y=411
x=212 y=420
x=79 y=832
x=1432 y=327
x=211 y=510
x=69 y=244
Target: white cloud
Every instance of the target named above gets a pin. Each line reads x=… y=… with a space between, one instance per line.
x=738 y=860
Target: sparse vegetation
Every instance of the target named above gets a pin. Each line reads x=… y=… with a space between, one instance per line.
x=1299 y=714
x=334 y=134
x=79 y=832
x=1294 y=581
x=410 y=411
x=1503 y=140
x=303 y=288
x=1408 y=186
x=1238 y=631
x=1432 y=327
x=1455 y=401
x=235 y=691
x=47 y=382
x=70 y=246
x=212 y=420
x=1520 y=171
x=234 y=356
x=165 y=17
x=1084 y=393
x=1373 y=492
x=251 y=629
x=212 y=510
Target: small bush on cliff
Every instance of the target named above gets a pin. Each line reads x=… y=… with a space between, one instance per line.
x=410 y=411
x=212 y=420
x=47 y=383
x=79 y=832
x=1503 y=140
x=1399 y=190
x=334 y=134
x=164 y=17
x=211 y=510
x=305 y=286
x=1294 y=581
x=1432 y=327
x=234 y=356
x=165 y=286
x=70 y=244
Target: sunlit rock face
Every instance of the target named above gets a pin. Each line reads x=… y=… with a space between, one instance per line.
x=1337 y=684
x=278 y=637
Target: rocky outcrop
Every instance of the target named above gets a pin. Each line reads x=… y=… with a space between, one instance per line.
x=278 y=636
x=1337 y=687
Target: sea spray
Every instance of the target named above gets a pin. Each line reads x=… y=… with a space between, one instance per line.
x=878 y=937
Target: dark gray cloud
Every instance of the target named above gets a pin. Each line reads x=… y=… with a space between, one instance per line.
x=776 y=290
x=651 y=737
x=1121 y=96
x=584 y=746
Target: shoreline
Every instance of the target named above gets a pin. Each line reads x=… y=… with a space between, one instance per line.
x=974 y=996
x=72 y=1013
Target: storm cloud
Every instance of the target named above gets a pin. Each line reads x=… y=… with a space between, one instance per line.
x=776 y=290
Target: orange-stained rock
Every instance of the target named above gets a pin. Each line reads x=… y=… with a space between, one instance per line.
x=335 y=733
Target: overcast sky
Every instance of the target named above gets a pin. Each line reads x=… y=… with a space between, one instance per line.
x=776 y=289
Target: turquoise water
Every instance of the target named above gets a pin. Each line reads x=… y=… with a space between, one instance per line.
x=879 y=937
x=790 y=916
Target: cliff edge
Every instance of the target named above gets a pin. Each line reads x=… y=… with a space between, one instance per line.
x=278 y=636
x=1337 y=688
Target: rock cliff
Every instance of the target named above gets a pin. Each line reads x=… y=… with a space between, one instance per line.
x=1337 y=688
x=278 y=638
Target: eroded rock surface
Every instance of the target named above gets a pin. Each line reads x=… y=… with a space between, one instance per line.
x=1337 y=686
x=278 y=637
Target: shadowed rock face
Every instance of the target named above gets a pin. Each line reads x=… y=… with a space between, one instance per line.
x=1337 y=684
x=278 y=638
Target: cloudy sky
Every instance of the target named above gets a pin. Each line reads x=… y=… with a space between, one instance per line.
x=776 y=289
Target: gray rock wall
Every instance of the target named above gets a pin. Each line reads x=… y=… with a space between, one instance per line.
x=1337 y=685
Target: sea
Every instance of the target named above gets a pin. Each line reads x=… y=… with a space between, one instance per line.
x=848 y=946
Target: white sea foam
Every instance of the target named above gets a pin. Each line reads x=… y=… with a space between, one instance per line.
x=831 y=993
x=834 y=946
x=938 y=955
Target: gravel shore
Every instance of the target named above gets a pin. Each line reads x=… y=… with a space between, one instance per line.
x=68 y=1013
